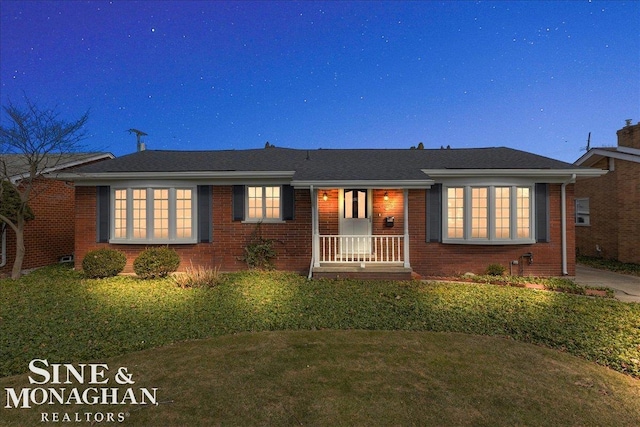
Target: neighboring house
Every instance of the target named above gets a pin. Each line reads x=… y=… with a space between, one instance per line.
x=337 y=213
x=608 y=207
x=50 y=235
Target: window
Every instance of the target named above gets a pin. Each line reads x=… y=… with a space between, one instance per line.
x=153 y=215
x=355 y=204
x=488 y=214
x=263 y=203
x=582 y=212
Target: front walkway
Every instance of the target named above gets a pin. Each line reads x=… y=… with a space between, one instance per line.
x=626 y=287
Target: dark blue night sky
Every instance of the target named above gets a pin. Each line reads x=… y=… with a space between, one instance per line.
x=537 y=76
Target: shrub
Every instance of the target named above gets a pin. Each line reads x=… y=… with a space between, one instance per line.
x=259 y=252
x=103 y=262
x=495 y=270
x=156 y=262
x=198 y=277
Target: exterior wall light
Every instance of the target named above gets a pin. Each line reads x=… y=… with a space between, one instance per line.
x=386 y=196
x=324 y=196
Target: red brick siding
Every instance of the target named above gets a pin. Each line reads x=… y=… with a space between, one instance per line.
x=602 y=232
x=49 y=235
x=294 y=237
x=439 y=259
x=229 y=237
x=628 y=196
x=614 y=202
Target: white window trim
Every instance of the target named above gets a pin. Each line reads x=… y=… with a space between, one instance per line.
x=586 y=214
x=149 y=239
x=491 y=240
x=262 y=219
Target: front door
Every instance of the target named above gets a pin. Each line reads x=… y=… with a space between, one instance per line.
x=355 y=221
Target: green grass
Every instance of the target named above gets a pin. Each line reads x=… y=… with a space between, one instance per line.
x=558 y=284
x=611 y=265
x=358 y=377
x=54 y=313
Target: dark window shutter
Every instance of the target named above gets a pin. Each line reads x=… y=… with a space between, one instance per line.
x=103 y=213
x=205 y=219
x=238 y=202
x=288 y=203
x=543 y=233
x=434 y=213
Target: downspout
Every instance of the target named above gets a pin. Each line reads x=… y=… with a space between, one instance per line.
x=563 y=209
x=313 y=231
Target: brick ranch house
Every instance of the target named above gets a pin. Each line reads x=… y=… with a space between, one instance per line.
x=50 y=235
x=608 y=207
x=337 y=213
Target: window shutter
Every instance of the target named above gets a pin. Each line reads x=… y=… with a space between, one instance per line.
x=238 y=202
x=288 y=203
x=543 y=232
x=434 y=213
x=205 y=219
x=103 y=211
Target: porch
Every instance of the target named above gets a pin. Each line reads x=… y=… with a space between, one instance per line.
x=360 y=233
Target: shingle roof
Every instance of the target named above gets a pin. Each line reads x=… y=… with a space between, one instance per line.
x=312 y=165
x=16 y=164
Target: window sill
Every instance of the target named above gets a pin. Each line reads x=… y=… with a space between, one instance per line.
x=264 y=221
x=152 y=242
x=488 y=242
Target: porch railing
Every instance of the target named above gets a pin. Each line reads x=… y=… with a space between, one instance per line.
x=361 y=249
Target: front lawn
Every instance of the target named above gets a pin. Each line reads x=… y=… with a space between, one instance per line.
x=53 y=313
x=356 y=378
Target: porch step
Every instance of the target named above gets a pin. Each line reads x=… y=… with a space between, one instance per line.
x=368 y=272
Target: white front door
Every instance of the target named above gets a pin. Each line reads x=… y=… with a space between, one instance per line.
x=355 y=221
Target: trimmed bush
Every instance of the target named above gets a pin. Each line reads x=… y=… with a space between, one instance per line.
x=495 y=270
x=103 y=262
x=156 y=262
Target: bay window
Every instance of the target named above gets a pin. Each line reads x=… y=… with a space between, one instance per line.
x=153 y=215
x=490 y=214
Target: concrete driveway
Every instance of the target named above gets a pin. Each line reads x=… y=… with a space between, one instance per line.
x=627 y=288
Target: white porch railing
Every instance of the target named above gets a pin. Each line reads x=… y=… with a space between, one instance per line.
x=361 y=249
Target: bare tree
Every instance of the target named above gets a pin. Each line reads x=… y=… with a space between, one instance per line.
x=33 y=141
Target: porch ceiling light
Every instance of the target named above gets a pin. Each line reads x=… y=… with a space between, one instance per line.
x=386 y=196
x=324 y=196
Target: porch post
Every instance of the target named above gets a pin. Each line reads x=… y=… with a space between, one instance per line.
x=315 y=228
x=407 y=263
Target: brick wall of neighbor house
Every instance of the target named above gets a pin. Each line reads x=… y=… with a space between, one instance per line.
x=614 y=202
x=600 y=237
x=438 y=259
x=628 y=195
x=49 y=235
x=229 y=237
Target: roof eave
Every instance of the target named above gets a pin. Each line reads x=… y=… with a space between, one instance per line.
x=551 y=175
x=192 y=175
x=363 y=183
x=593 y=155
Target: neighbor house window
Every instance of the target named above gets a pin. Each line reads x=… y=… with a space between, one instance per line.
x=263 y=203
x=488 y=214
x=582 y=211
x=162 y=215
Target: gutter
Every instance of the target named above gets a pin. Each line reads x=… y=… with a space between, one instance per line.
x=563 y=209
